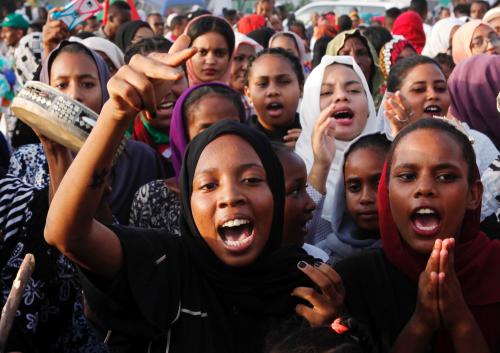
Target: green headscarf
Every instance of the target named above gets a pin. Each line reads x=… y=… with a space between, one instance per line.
x=377 y=80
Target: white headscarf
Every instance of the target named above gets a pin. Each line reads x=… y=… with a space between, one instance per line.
x=298 y=42
x=240 y=38
x=309 y=113
x=439 y=40
x=110 y=49
x=491 y=14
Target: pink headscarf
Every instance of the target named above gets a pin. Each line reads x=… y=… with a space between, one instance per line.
x=462 y=39
x=192 y=78
x=410 y=25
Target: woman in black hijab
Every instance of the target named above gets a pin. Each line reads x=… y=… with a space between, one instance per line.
x=226 y=282
x=132 y=32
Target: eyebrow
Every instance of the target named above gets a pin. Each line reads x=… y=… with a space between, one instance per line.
x=423 y=82
x=83 y=76
x=439 y=166
x=240 y=168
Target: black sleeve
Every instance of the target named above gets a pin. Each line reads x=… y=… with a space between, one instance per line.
x=144 y=298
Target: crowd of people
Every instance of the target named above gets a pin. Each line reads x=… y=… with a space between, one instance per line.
x=256 y=184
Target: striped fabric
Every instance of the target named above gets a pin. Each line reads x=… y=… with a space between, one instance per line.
x=14 y=199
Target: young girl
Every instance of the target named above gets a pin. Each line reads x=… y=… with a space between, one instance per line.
x=353 y=43
x=355 y=225
x=219 y=286
x=417 y=89
x=430 y=281
x=214 y=39
x=274 y=82
x=396 y=49
x=474 y=37
x=81 y=73
x=336 y=87
x=157 y=204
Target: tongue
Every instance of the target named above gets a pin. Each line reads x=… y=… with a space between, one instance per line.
x=426 y=221
x=236 y=233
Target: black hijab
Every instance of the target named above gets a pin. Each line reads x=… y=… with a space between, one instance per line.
x=126 y=33
x=263 y=288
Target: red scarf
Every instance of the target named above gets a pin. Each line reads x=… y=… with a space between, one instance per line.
x=410 y=26
x=477 y=264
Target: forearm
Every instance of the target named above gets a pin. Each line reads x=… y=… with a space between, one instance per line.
x=415 y=338
x=58 y=161
x=318 y=176
x=70 y=221
x=467 y=337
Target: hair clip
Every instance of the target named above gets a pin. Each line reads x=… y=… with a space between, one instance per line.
x=338 y=327
x=457 y=124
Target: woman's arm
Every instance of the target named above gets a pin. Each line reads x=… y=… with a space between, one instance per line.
x=70 y=222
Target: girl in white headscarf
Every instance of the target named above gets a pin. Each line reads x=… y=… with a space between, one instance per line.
x=338 y=84
x=440 y=38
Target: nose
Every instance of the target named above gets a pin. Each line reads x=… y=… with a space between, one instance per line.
x=340 y=95
x=368 y=196
x=230 y=195
x=74 y=92
x=309 y=203
x=425 y=186
x=272 y=90
x=210 y=58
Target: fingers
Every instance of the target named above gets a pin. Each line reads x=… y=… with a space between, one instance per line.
x=446 y=261
x=292 y=135
x=181 y=43
x=320 y=277
x=143 y=87
x=308 y=294
x=333 y=276
x=152 y=68
x=433 y=262
x=126 y=95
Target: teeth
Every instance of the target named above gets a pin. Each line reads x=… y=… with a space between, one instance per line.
x=235 y=223
x=427 y=229
x=426 y=211
x=237 y=243
x=433 y=109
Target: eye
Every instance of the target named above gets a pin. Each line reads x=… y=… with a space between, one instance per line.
x=220 y=53
x=354 y=91
x=418 y=89
x=61 y=85
x=354 y=187
x=252 y=180
x=208 y=186
x=326 y=93
x=202 y=51
x=447 y=177
x=88 y=85
x=406 y=176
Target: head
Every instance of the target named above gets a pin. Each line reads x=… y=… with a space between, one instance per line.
x=264 y=8
x=78 y=72
x=233 y=193
x=485 y=41
x=289 y=42
x=492 y=17
x=363 y=165
x=378 y=36
x=118 y=14
x=298 y=204
x=392 y=52
x=298 y=28
x=245 y=49
x=446 y=63
x=13 y=28
x=262 y=36
x=390 y=16
x=208 y=105
x=345 y=23
x=420 y=7
x=165 y=106
x=231 y=16
x=178 y=25
x=319 y=50
x=108 y=51
x=444 y=13
x=410 y=25
x=132 y=32
x=461 y=10
x=432 y=181
x=478 y=9
x=343 y=87
x=91 y=25
x=356 y=46
x=274 y=82
x=156 y=23
x=422 y=82
x=214 y=39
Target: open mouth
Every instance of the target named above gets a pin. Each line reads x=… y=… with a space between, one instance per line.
x=343 y=116
x=433 y=109
x=426 y=221
x=165 y=105
x=274 y=109
x=237 y=234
